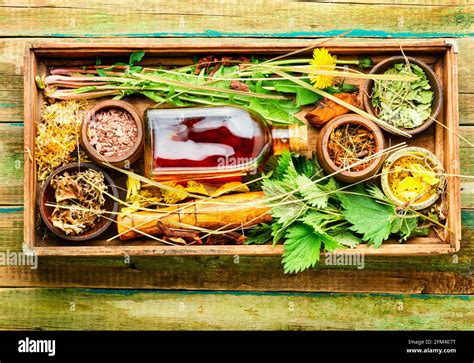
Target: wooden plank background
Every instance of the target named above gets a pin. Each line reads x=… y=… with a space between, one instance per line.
x=228 y=292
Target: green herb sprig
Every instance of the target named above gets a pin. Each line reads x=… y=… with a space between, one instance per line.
x=312 y=213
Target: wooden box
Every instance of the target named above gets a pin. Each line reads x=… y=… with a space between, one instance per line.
x=440 y=54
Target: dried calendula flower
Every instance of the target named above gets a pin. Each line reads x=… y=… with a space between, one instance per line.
x=57 y=136
x=137 y=197
x=174 y=195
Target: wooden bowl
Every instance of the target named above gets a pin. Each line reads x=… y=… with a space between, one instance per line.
x=383 y=66
x=323 y=154
x=125 y=159
x=46 y=196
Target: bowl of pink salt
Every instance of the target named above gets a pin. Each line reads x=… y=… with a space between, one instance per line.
x=112 y=133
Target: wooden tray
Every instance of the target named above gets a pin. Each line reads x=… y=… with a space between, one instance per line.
x=440 y=54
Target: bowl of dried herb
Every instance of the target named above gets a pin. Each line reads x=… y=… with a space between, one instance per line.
x=78 y=202
x=410 y=106
x=349 y=147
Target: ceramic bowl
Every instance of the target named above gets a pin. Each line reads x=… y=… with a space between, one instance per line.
x=46 y=196
x=133 y=154
x=327 y=163
x=383 y=66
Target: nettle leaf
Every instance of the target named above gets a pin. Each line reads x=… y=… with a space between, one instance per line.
x=407 y=227
x=376 y=193
x=284 y=161
x=312 y=193
x=368 y=217
x=278 y=232
x=302 y=248
x=318 y=220
x=308 y=167
x=347 y=239
x=290 y=177
x=259 y=234
x=284 y=208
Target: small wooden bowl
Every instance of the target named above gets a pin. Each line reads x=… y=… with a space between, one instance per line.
x=131 y=155
x=383 y=66
x=46 y=196
x=323 y=154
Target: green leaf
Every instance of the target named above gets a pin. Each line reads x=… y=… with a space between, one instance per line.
x=347 y=239
x=135 y=57
x=278 y=231
x=368 y=217
x=305 y=96
x=101 y=72
x=376 y=193
x=302 y=248
x=329 y=243
x=284 y=161
x=259 y=234
x=408 y=225
x=318 y=220
x=278 y=112
x=284 y=208
x=290 y=176
x=312 y=193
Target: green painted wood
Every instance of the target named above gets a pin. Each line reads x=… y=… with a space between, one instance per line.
x=446 y=274
x=79 y=309
x=56 y=308
x=11 y=163
x=237 y=19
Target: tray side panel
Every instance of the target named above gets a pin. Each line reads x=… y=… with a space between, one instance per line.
x=31 y=98
x=418 y=246
x=452 y=161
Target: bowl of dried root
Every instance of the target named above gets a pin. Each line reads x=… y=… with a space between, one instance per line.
x=78 y=202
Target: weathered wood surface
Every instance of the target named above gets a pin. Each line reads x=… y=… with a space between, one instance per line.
x=446 y=274
x=41 y=303
x=150 y=310
x=268 y=18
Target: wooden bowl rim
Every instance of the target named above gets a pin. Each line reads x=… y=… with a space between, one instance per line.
x=368 y=124
x=74 y=166
x=436 y=88
x=92 y=152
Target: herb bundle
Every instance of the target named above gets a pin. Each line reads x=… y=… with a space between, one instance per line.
x=312 y=212
x=259 y=85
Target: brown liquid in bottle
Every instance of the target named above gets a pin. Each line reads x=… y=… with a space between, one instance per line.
x=205 y=143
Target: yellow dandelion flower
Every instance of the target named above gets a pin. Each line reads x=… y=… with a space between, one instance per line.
x=322 y=60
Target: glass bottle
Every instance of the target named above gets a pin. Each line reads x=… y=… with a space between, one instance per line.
x=213 y=143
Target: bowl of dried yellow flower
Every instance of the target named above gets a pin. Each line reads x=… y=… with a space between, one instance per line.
x=413 y=177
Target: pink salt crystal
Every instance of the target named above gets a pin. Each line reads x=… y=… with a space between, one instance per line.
x=113 y=132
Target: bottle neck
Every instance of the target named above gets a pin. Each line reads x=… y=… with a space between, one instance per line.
x=291 y=138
